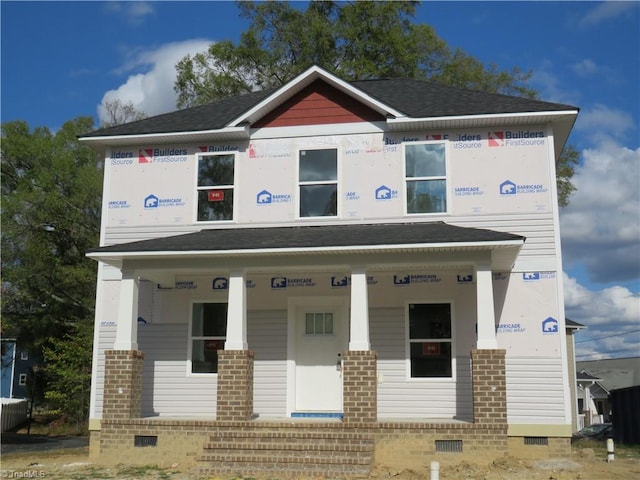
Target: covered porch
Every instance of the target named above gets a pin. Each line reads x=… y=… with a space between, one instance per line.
x=347 y=259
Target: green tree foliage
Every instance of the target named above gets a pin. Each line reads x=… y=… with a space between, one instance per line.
x=51 y=199
x=68 y=373
x=354 y=40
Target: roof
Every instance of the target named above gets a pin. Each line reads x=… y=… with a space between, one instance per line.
x=307 y=237
x=574 y=325
x=585 y=376
x=614 y=373
x=414 y=99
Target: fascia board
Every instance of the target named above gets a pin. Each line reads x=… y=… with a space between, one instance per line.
x=108 y=257
x=401 y=123
x=184 y=137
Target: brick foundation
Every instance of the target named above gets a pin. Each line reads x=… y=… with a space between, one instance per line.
x=235 y=385
x=122 y=384
x=488 y=374
x=360 y=387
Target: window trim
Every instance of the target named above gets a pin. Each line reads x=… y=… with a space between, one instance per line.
x=337 y=182
x=423 y=301
x=233 y=188
x=191 y=338
x=22 y=379
x=446 y=177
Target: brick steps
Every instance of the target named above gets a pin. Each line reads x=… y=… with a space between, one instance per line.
x=295 y=450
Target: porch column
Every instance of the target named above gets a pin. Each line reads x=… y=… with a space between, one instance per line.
x=237 y=313
x=359 y=339
x=485 y=312
x=488 y=376
x=235 y=362
x=586 y=407
x=122 y=392
x=359 y=363
x=127 y=321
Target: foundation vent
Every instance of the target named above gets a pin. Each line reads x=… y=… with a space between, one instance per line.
x=145 y=441
x=536 y=441
x=449 y=446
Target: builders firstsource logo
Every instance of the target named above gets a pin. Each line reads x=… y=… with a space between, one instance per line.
x=162 y=155
x=519 y=138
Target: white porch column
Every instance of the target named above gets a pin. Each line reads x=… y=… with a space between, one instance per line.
x=485 y=311
x=359 y=339
x=127 y=321
x=237 y=313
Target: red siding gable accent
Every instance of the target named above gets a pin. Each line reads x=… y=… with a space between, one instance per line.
x=318 y=104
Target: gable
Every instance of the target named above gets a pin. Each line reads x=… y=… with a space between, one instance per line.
x=318 y=104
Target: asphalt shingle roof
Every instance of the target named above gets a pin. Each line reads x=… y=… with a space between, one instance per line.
x=313 y=237
x=414 y=98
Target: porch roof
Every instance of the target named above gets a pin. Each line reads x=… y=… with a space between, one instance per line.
x=351 y=238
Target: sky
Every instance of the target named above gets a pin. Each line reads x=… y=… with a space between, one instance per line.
x=60 y=60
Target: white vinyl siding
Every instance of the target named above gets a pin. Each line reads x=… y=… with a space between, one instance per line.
x=267 y=337
x=107 y=338
x=534 y=390
x=167 y=390
x=400 y=397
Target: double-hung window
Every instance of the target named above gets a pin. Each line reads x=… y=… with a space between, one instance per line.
x=215 y=187
x=318 y=183
x=207 y=336
x=430 y=340
x=426 y=177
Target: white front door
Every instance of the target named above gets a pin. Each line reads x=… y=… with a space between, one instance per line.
x=320 y=339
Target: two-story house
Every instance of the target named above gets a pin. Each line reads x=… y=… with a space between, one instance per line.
x=330 y=274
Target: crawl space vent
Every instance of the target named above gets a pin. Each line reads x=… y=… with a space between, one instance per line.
x=449 y=446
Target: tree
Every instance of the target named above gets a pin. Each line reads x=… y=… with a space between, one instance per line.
x=50 y=217
x=354 y=40
x=120 y=113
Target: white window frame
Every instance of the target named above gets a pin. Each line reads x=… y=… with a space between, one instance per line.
x=191 y=338
x=408 y=341
x=335 y=182
x=22 y=379
x=444 y=177
x=24 y=355
x=233 y=187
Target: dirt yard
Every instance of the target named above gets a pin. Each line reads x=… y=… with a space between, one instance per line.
x=588 y=462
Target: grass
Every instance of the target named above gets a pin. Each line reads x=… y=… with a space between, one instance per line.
x=599 y=447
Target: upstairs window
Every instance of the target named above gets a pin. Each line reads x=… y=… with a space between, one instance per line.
x=215 y=187
x=430 y=340
x=426 y=180
x=207 y=336
x=318 y=181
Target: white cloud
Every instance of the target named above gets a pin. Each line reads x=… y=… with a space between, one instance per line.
x=605 y=11
x=152 y=91
x=612 y=317
x=603 y=123
x=134 y=12
x=601 y=226
x=585 y=67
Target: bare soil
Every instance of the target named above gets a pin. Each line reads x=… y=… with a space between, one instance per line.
x=587 y=462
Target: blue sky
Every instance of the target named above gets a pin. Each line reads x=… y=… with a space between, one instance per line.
x=62 y=59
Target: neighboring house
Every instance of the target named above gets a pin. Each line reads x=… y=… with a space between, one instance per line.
x=601 y=377
x=577 y=419
x=345 y=269
x=16 y=369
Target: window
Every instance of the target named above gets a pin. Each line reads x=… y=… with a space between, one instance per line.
x=208 y=334
x=24 y=355
x=430 y=340
x=215 y=187
x=318 y=183
x=319 y=323
x=22 y=379
x=426 y=181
